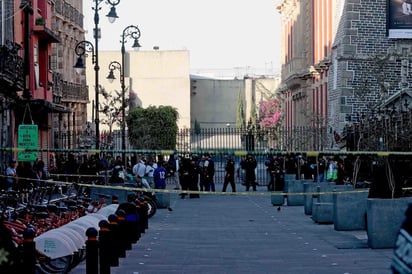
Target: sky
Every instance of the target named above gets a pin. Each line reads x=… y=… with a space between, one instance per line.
x=219 y=34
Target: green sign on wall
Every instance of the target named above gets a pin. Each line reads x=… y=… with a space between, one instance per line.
x=27 y=138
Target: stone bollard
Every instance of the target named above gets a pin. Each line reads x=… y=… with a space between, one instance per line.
x=121 y=220
x=105 y=247
x=114 y=229
x=131 y=220
x=140 y=225
x=143 y=215
x=134 y=232
x=92 y=251
x=29 y=251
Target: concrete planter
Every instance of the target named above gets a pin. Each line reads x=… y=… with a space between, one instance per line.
x=349 y=209
x=162 y=199
x=290 y=177
x=277 y=198
x=325 y=192
x=384 y=219
x=310 y=188
x=295 y=188
x=322 y=210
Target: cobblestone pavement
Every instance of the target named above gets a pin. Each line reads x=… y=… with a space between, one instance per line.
x=244 y=233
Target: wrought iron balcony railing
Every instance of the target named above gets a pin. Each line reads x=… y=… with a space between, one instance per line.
x=11 y=67
x=69 y=12
x=68 y=91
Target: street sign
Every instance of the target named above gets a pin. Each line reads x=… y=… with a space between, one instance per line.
x=27 y=138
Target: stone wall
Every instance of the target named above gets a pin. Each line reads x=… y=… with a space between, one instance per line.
x=366 y=65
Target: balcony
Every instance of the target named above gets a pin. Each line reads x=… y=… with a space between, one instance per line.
x=64 y=91
x=75 y=92
x=11 y=69
x=67 y=11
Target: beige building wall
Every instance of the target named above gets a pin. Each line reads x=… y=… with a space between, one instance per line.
x=162 y=78
x=156 y=77
x=214 y=102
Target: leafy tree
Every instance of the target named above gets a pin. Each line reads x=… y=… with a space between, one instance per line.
x=153 y=127
x=111 y=108
x=253 y=116
x=197 y=127
x=240 y=118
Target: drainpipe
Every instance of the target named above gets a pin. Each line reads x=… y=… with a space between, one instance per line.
x=28 y=10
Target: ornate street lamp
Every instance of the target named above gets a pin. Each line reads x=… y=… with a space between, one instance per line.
x=85 y=46
x=132 y=32
x=81 y=50
x=114 y=65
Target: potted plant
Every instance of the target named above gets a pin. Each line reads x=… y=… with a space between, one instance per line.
x=386 y=205
x=349 y=205
x=40 y=21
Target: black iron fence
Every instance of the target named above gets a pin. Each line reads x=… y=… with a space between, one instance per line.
x=388 y=129
x=303 y=138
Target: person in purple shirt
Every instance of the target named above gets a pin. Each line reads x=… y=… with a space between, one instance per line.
x=159 y=176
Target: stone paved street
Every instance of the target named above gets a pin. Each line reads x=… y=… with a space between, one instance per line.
x=246 y=234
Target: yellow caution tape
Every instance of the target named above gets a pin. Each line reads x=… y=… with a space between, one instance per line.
x=254 y=193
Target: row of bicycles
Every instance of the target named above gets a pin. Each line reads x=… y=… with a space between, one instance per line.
x=57 y=209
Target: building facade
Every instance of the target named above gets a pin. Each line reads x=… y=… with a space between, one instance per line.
x=69 y=88
x=307 y=35
x=162 y=77
x=38 y=84
x=343 y=62
x=370 y=62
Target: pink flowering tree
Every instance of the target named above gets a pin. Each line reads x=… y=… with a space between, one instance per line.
x=270 y=114
x=270 y=120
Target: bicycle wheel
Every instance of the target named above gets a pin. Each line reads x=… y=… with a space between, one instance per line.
x=58 y=265
x=151 y=206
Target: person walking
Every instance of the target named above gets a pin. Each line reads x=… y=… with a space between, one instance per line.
x=249 y=165
x=159 y=176
x=209 y=172
x=184 y=176
x=42 y=173
x=11 y=174
x=271 y=170
x=139 y=170
x=331 y=171
x=201 y=167
x=229 y=174
x=194 y=172
x=150 y=167
x=174 y=165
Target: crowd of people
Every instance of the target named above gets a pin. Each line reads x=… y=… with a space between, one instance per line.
x=25 y=175
x=184 y=172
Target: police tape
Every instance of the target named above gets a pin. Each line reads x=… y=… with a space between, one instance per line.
x=237 y=193
x=180 y=191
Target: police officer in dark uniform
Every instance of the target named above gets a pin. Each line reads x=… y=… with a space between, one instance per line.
x=194 y=171
x=230 y=174
x=249 y=165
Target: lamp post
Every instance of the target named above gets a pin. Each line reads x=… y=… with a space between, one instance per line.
x=81 y=49
x=133 y=32
x=114 y=65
